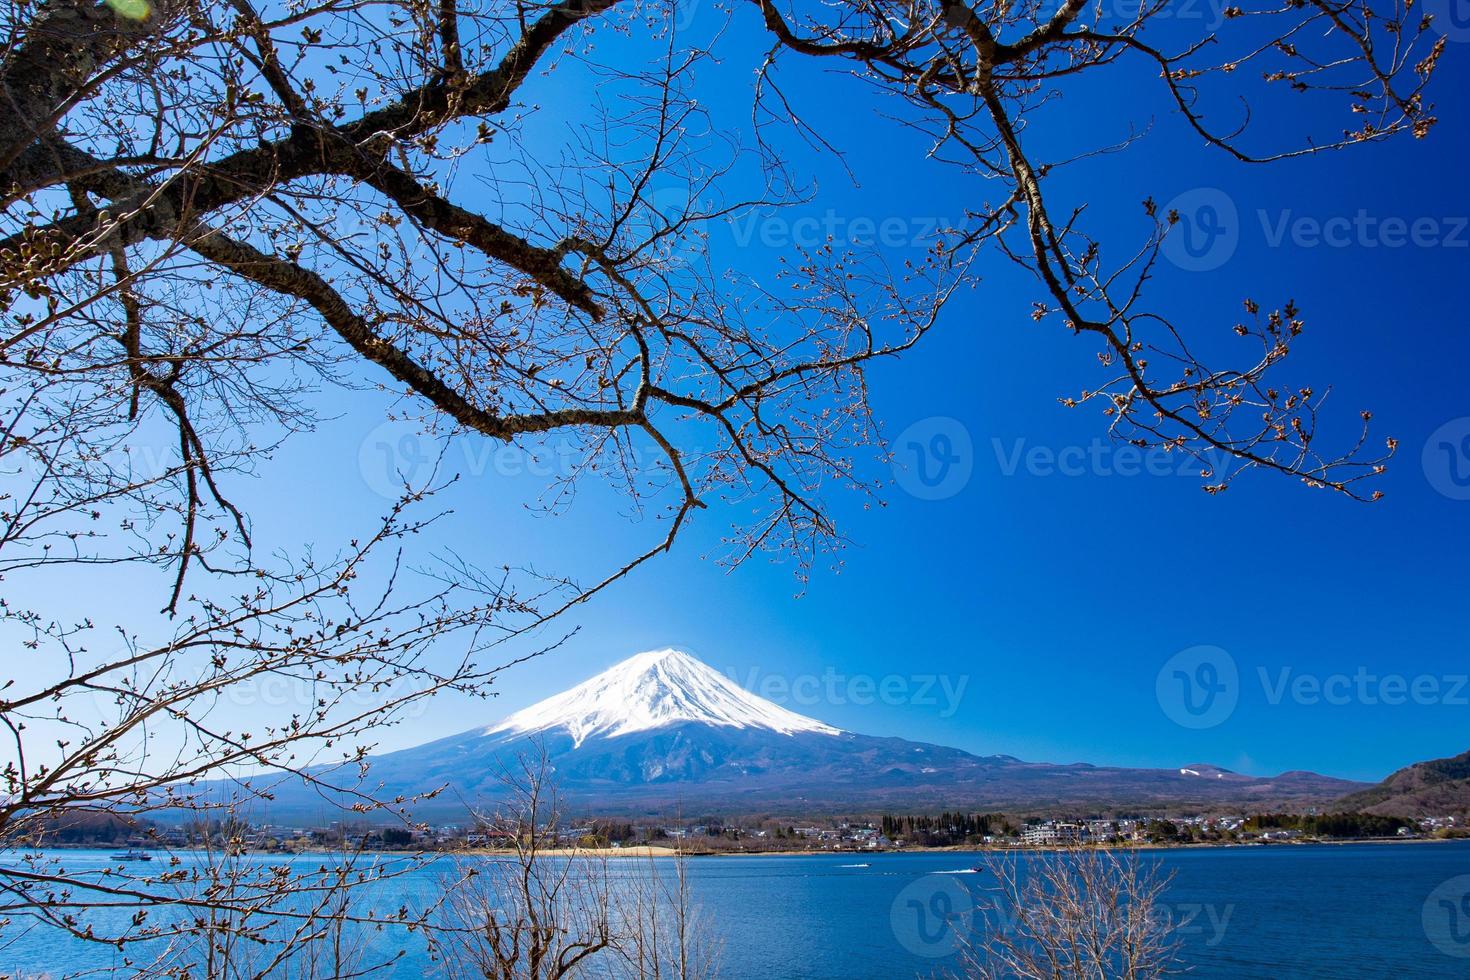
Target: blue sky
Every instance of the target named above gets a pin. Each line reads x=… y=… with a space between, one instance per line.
x=1051 y=602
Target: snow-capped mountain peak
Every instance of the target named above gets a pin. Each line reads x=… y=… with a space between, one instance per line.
x=653 y=690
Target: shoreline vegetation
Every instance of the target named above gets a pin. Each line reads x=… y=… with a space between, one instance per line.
x=584 y=833
x=713 y=835
x=661 y=851
x=669 y=851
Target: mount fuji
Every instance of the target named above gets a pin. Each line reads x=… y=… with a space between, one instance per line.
x=654 y=690
x=662 y=731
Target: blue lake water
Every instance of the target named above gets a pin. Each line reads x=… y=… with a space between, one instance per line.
x=1280 y=912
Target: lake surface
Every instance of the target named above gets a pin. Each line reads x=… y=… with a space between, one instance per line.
x=1275 y=913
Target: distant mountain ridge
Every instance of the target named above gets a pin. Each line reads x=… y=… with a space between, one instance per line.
x=1438 y=787
x=662 y=731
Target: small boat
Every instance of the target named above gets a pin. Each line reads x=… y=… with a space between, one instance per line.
x=132 y=854
x=857 y=865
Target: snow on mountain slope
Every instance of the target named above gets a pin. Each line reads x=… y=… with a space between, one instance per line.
x=662 y=732
x=653 y=690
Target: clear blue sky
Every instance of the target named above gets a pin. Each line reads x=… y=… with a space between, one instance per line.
x=1057 y=599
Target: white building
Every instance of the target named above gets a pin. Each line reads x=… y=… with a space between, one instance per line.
x=1052 y=833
